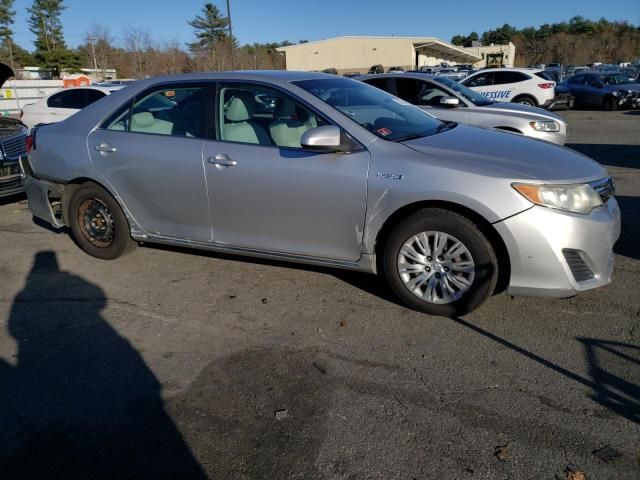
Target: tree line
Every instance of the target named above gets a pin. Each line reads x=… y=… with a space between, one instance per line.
x=134 y=53
x=577 y=42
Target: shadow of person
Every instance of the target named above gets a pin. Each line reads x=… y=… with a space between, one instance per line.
x=80 y=403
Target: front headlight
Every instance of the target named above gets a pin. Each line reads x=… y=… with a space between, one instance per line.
x=545 y=126
x=577 y=198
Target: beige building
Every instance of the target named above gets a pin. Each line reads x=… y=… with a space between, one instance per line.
x=494 y=55
x=358 y=54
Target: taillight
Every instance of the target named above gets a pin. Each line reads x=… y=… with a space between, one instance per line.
x=29 y=142
x=546 y=85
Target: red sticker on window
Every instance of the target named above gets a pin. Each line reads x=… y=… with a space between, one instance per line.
x=384 y=131
x=169 y=93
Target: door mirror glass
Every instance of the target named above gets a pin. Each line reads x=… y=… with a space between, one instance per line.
x=325 y=138
x=449 y=102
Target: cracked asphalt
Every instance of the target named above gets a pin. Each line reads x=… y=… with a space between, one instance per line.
x=170 y=363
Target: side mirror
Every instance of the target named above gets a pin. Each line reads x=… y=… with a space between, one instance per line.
x=449 y=102
x=325 y=138
x=330 y=139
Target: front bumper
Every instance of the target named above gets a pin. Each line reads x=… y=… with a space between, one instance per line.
x=543 y=243
x=561 y=100
x=10 y=179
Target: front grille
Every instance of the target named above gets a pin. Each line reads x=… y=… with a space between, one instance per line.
x=14 y=147
x=10 y=184
x=605 y=188
x=581 y=272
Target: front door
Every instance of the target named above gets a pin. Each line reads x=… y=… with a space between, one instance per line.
x=151 y=154
x=268 y=193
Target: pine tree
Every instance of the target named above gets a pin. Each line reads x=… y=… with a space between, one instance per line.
x=6 y=34
x=210 y=28
x=51 y=50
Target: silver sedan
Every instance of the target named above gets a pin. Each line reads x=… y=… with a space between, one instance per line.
x=448 y=100
x=329 y=171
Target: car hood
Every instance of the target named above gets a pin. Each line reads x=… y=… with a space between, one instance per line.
x=510 y=108
x=5 y=73
x=508 y=155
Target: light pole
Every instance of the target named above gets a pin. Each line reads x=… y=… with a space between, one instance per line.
x=230 y=36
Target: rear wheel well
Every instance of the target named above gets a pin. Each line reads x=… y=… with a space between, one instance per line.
x=525 y=95
x=70 y=188
x=502 y=254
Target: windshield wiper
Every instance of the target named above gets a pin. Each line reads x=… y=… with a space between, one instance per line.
x=445 y=126
x=406 y=138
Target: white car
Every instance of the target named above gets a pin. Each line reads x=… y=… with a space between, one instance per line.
x=62 y=104
x=529 y=86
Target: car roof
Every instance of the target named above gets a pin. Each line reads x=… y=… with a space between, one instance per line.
x=523 y=70
x=275 y=76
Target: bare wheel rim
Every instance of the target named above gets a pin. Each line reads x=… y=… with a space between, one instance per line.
x=96 y=222
x=436 y=267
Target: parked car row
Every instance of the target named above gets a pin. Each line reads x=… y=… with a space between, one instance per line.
x=325 y=170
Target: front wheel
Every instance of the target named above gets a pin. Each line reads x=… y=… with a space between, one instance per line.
x=98 y=224
x=439 y=262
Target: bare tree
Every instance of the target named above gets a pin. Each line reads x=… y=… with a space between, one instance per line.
x=100 y=42
x=137 y=41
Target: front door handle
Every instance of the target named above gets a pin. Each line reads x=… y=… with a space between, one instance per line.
x=106 y=148
x=222 y=161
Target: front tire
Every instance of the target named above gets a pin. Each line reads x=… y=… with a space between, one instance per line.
x=439 y=262
x=98 y=224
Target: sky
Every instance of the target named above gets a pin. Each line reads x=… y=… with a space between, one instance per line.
x=277 y=20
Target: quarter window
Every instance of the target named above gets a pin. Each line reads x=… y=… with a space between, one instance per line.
x=176 y=111
x=260 y=115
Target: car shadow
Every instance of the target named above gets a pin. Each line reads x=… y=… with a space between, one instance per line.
x=12 y=199
x=372 y=284
x=610 y=389
x=626 y=156
x=628 y=244
x=79 y=402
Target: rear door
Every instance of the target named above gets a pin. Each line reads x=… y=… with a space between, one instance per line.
x=508 y=85
x=151 y=154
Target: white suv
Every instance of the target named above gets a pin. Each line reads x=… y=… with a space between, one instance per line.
x=530 y=86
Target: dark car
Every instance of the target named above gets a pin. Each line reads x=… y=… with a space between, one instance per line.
x=375 y=69
x=13 y=134
x=606 y=90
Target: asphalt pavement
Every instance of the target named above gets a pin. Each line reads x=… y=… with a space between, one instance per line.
x=169 y=363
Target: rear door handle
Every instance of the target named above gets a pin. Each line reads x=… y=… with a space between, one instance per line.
x=105 y=148
x=222 y=161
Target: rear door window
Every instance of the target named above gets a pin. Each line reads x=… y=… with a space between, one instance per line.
x=419 y=92
x=501 y=78
x=75 y=98
x=178 y=111
x=55 y=101
x=94 y=96
x=380 y=82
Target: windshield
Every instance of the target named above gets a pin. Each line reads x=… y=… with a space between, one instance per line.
x=382 y=114
x=474 y=97
x=616 y=79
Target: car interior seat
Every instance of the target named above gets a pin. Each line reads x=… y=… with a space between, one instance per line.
x=287 y=127
x=145 y=122
x=238 y=125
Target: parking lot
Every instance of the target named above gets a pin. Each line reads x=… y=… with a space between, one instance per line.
x=170 y=363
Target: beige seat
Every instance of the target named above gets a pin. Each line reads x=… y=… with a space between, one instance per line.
x=238 y=126
x=145 y=122
x=290 y=124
